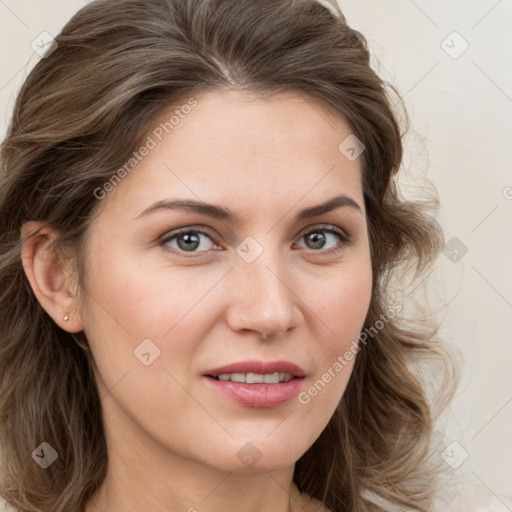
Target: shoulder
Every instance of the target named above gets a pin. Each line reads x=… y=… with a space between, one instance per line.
x=5 y=507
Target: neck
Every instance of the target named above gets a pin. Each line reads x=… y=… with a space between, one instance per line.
x=190 y=487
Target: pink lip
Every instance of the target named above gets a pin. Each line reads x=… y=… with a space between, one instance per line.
x=258 y=395
x=260 y=367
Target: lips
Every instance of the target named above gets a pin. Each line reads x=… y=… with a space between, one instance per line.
x=259 y=367
x=257 y=395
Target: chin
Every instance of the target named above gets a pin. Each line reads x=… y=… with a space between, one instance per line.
x=261 y=455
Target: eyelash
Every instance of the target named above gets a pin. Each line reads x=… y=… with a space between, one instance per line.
x=343 y=237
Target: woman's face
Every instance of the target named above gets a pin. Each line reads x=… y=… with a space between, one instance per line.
x=176 y=293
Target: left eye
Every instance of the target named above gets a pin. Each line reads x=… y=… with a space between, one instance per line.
x=319 y=237
x=190 y=241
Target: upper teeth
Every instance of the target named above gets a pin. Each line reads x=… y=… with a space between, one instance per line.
x=256 y=378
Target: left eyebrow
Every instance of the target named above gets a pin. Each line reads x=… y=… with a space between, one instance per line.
x=225 y=214
x=331 y=204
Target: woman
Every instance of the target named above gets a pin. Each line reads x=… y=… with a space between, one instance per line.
x=200 y=226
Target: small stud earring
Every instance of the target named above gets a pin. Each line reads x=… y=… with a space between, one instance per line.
x=66 y=318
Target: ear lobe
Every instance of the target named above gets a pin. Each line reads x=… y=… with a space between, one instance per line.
x=49 y=275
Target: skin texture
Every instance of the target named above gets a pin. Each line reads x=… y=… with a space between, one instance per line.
x=172 y=440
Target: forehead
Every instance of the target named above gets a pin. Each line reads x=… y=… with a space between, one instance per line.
x=234 y=145
x=288 y=123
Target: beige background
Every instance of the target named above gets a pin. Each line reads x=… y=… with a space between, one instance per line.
x=460 y=105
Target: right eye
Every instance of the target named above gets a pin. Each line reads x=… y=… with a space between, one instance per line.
x=187 y=241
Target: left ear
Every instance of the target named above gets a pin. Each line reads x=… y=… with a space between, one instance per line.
x=50 y=275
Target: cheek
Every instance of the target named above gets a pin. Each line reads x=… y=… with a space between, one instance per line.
x=342 y=306
x=134 y=310
x=343 y=303
x=144 y=298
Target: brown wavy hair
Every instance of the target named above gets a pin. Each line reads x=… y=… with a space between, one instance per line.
x=79 y=116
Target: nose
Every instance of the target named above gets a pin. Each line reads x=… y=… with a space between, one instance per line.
x=262 y=298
